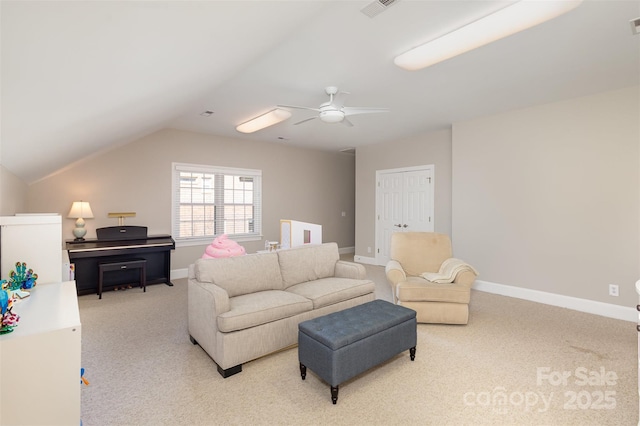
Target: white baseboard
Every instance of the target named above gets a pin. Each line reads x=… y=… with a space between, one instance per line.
x=582 y=305
x=365 y=260
x=176 y=274
x=346 y=250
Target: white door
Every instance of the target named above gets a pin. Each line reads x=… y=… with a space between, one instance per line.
x=404 y=202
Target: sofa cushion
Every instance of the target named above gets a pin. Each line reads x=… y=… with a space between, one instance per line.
x=412 y=290
x=308 y=263
x=327 y=291
x=250 y=310
x=243 y=274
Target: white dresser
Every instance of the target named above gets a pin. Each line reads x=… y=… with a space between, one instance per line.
x=40 y=359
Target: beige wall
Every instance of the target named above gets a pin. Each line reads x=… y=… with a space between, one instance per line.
x=431 y=148
x=547 y=198
x=13 y=193
x=300 y=184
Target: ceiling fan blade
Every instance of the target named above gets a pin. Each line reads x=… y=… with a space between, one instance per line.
x=362 y=110
x=304 y=121
x=346 y=122
x=299 y=107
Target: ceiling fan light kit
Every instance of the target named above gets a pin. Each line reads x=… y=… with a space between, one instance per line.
x=334 y=112
x=503 y=23
x=331 y=116
x=267 y=119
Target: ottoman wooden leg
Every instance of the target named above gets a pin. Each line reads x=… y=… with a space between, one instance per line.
x=412 y=353
x=334 y=394
x=303 y=371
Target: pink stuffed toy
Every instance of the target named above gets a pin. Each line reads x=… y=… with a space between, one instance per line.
x=222 y=246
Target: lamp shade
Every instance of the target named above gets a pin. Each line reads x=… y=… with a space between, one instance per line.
x=80 y=209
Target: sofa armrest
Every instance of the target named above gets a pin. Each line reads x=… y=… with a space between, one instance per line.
x=353 y=270
x=465 y=278
x=395 y=273
x=209 y=296
x=205 y=301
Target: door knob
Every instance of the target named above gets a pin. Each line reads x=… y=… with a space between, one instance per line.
x=398 y=225
x=405 y=225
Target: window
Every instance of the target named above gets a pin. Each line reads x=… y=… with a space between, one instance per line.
x=209 y=201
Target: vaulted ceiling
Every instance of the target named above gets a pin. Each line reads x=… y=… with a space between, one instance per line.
x=79 y=78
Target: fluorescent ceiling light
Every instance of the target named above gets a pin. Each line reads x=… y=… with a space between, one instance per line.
x=509 y=20
x=265 y=120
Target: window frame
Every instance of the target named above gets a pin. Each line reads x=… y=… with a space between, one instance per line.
x=177 y=168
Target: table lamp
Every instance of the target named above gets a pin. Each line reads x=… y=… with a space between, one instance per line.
x=80 y=210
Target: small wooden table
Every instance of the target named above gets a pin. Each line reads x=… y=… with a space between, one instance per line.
x=121 y=266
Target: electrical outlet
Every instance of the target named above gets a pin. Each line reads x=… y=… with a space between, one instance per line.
x=613 y=290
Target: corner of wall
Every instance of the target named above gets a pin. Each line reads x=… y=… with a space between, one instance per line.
x=14 y=193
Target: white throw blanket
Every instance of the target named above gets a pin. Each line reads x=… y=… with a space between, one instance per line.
x=449 y=269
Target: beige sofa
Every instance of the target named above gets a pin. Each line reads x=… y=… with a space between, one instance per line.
x=242 y=308
x=414 y=253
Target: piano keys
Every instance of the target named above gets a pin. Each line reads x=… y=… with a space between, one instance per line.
x=118 y=244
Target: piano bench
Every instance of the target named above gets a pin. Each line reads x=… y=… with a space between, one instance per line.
x=120 y=266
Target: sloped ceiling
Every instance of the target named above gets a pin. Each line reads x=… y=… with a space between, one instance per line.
x=79 y=78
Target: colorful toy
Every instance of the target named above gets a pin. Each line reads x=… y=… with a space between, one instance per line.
x=9 y=319
x=222 y=246
x=82 y=379
x=22 y=278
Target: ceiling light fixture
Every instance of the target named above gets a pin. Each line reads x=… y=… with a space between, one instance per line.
x=505 y=22
x=267 y=119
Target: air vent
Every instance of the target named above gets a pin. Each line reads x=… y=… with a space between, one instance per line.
x=377 y=7
x=635 y=26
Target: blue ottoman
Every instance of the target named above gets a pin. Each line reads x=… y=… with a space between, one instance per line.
x=342 y=345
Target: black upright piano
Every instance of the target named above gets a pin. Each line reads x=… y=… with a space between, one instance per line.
x=119 y=244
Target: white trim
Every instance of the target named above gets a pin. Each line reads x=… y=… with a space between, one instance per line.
x=408 y=169
x=583 y=305
x=177 y=168
x=205 y=241
x=346 y=250
x=176 y=274
x=366 y=260
x=200 y=168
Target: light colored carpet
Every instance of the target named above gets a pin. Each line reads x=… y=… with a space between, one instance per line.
x=504 y=367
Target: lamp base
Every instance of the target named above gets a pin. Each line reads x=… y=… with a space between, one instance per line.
x=79 y=232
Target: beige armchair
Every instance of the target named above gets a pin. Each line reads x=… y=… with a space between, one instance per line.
x=414 y=253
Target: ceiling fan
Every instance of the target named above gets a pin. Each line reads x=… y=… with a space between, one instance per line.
x=334 y=111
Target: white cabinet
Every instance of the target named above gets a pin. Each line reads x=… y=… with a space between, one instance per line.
x=40 y=359
x=35 y=239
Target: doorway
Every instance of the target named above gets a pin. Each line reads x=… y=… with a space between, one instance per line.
x=404 y=203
